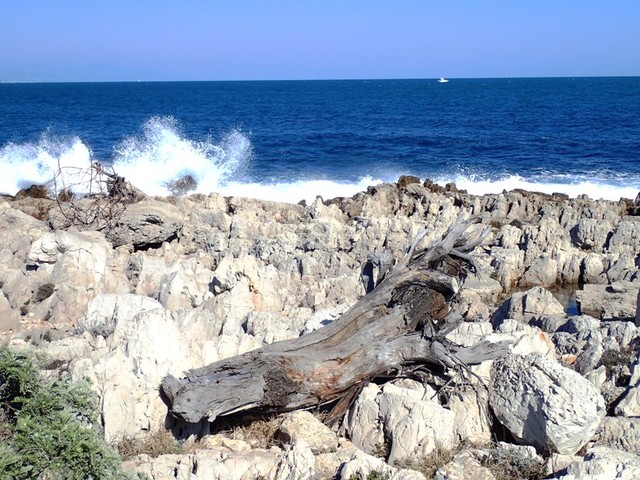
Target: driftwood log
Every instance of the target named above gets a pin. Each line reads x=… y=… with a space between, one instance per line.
x=398 y=325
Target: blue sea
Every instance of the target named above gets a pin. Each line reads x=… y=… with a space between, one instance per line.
x=293 y=140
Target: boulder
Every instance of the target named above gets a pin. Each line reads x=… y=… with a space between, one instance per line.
x=609 y=302
x=79 y=265
x=361 y=465
x=303 y=425
x=523 y=306
x=544 y=404
x=405 y=414
x=146 y=224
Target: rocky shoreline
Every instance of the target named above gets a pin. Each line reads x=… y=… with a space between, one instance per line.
x=175 y=283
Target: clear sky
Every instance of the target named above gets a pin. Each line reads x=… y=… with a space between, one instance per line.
x=95 y=40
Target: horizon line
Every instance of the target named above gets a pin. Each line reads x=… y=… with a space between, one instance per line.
x=8 y=82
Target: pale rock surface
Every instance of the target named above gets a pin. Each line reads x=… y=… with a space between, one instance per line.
x=629 y=405
x=602 y=463
x=207 y=464
x=127 y=369
x=543 y=271
x=620 y=433
x=462 y=467
x=471 y=409
x=360 y=465
x=104 y=311
x=188 y=284
x=544 y=404
x=523 y=306
x=146 y=223
x=413 y=422
x=80 y=265
x=9 y=317
x=303 y=425
x=615 y=301
x=364 y=423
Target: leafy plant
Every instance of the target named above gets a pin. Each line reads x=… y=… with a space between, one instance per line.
x=53 y=425
x=19 y=379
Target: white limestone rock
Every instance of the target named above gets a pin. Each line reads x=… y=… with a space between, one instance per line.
x=406 y=415
x=602 y=463
x=303 y=425
x=104 y=311
x=544 y=404
x=609 y=302
x=146 y=223
x=462 y=467
x=629 y=404
x=523 y=306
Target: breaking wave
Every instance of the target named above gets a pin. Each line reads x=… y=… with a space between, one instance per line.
x=162 y=160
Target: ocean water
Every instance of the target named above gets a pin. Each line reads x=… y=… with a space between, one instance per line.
x=295 y=140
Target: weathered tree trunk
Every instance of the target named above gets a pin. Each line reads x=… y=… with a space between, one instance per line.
x=400 y=323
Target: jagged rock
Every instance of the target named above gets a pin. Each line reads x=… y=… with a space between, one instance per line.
x=615 y=301
x=602 y=463
x=146 y=224
x=221 y=465
x=405 y=414
x=620 y=433
x=522 y=306
x=464 y=466
x=106 y=310
x=361 y=465
x=305 y=426
x=78 y=265
x=629 y=404
x=543 y=271
x=544 y=404
x=233 y=274
x=623 y=332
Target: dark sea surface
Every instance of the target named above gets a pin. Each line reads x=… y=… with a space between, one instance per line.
x=289 y=140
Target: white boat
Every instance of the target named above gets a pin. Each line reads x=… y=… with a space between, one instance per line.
x=442 y=80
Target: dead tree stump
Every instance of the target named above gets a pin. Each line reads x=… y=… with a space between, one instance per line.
x=400 y=324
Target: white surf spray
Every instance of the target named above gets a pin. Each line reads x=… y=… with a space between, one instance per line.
x=162 y=157
x=23 y=165
x=596 y=187
x=162 y=160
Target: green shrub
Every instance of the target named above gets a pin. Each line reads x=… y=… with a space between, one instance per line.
x=54 y=426
x=19 y=379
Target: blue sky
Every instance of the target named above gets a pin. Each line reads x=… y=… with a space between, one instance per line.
x=84 y=40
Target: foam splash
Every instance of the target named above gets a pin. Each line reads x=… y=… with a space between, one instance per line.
x=23 y=165
x=162 y=161
x=595 y=188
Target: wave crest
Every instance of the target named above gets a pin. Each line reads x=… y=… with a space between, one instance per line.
x=162 y=161
x=23 y=165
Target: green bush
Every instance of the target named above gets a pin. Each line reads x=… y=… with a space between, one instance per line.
x=19 y=379
x=54 y=426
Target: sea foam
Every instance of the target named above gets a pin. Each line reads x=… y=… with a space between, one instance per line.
x=162 y=160
x=23 y=165
x=595 y=187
